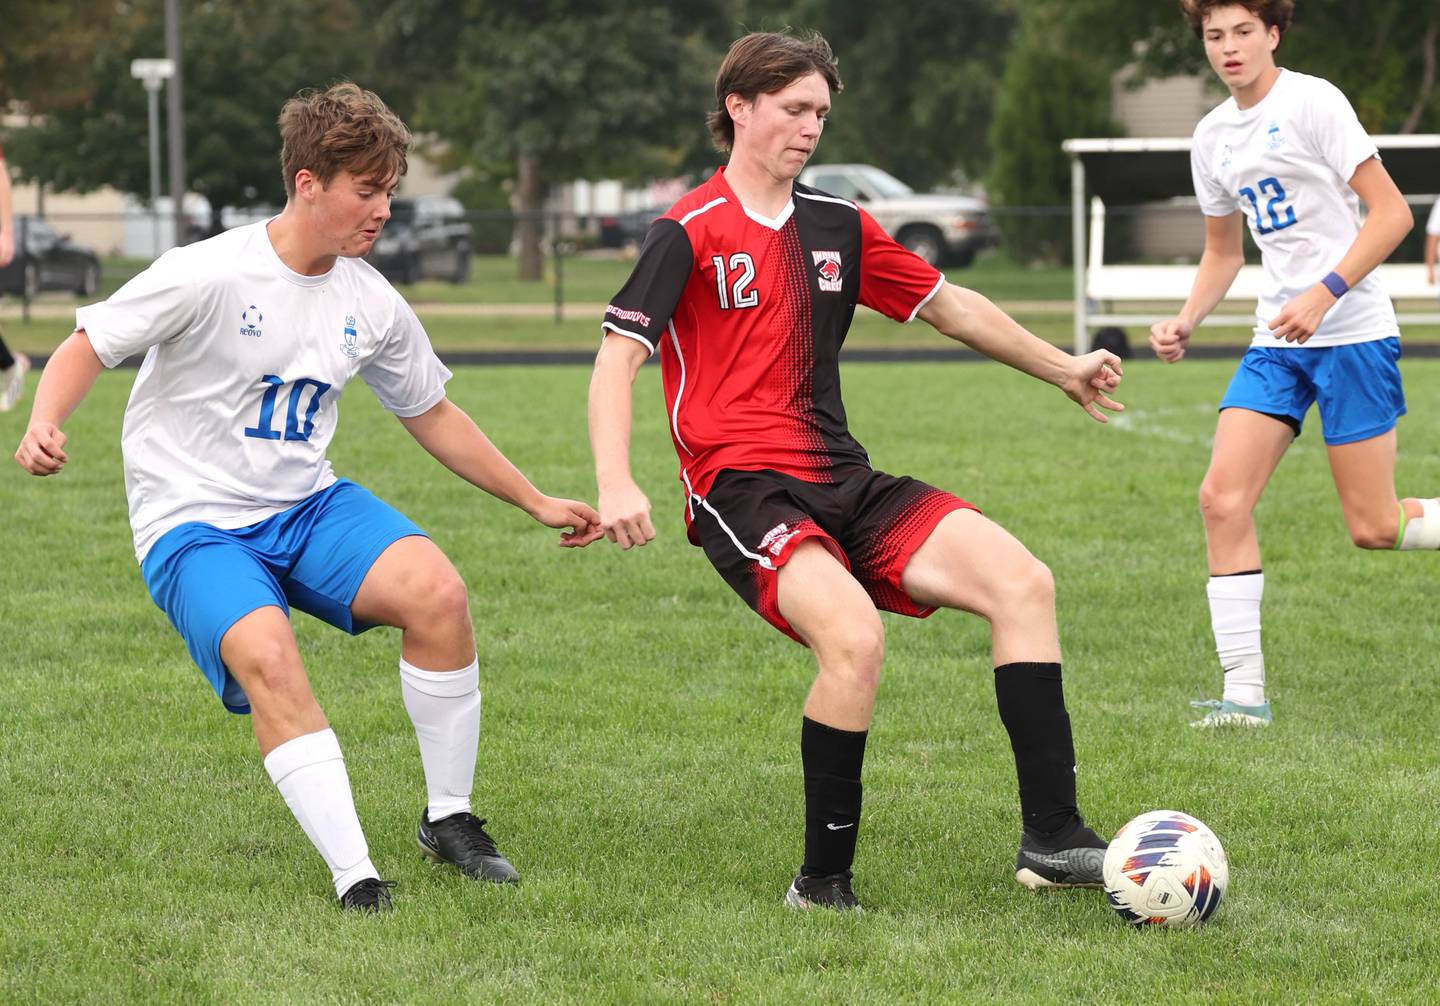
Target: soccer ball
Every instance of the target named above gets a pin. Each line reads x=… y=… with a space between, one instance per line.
x=1165 y=868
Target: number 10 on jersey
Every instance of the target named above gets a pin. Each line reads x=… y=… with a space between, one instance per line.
x=294 y=430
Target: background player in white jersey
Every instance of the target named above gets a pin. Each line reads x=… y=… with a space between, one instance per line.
x=1287 y=154
x=250 y=339
x=1432 y=242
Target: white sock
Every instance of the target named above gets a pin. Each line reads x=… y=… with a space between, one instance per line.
x=445 y=708
x=309 y=771
x=1235 y=619
x=1422 y=531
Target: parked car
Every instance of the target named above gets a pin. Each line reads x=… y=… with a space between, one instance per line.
x=49 y=261
x=939 y=228
x=426 y=237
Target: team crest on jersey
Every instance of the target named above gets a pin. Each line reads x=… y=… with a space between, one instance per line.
x=1273 y=139
x=828 y=264
x=1228 y=157
x=348 y=346
x=250 y=320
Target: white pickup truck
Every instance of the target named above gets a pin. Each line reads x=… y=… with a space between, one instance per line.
x=941 y=229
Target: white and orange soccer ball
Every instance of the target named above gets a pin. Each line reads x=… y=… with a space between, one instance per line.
x=1165 y=868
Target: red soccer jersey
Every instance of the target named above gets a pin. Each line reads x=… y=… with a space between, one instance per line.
x=749 y=315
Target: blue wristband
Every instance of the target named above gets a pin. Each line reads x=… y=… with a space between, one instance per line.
x=1336 y=284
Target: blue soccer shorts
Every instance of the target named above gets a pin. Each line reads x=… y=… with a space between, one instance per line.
x=1357 y=387
x=312 y=557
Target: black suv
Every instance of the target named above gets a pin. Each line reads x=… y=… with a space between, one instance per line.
x=49 y=261
x=427 y=237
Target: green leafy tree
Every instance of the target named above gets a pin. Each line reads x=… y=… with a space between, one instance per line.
x=240 y=62
x=564 y=89
x=919 y=89
x=47 y=49
x=1051 y=91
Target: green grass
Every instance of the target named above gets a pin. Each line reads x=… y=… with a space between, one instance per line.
x=639 y=759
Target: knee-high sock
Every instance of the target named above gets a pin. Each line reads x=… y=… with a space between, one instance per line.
x=444 y=706
x=1235 y=620
x=831 y=759
x=1031 y=698
x=1423 y=531
x=309 y=771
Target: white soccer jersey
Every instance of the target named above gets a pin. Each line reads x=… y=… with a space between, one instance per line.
x=1286 y=163
x=1432 y=224
x=238 y=396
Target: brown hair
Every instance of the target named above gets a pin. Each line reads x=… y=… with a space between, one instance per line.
x=344 y=128
x=1275 y=13
x=764 y=62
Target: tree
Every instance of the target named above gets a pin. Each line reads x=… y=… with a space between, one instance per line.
x=1382 y=54
x=564 y=89
x=1050 y=92
x=919 y=89
x=45 y=51
x=240 y=62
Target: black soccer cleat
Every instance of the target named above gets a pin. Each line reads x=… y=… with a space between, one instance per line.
x=368 y=895
x=461 y=839
x=1074 y=858
x=830 y=891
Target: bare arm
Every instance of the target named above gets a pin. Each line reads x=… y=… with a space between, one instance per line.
x=624 y=510
x=452 y=437
x=1219 y=265
x=1431 y=241
x=968 y=317
x=7 y=218
x=67 y=379
x=1388 y=222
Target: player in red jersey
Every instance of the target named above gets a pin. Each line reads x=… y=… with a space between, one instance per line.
x=746 y=288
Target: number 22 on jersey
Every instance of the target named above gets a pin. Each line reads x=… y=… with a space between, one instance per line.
x=295 y=429
x=1278 y=222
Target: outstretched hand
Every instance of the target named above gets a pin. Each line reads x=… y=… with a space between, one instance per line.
x=1090 y=380
x=582 y=522
x=625 y=515
x=42 y=451
x=1169 y=338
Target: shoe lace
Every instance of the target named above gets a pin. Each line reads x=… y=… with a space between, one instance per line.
x=369 y=891
x=472 y=834
x=1205 y=703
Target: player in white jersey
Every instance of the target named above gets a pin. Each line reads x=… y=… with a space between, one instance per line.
x=1287 y=155
x=1432 y=241
x=250 y=338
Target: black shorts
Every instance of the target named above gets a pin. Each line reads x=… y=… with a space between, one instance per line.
x=750 y=523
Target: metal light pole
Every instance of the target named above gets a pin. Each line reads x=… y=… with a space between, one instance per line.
x=153 y=73
x=175 y=117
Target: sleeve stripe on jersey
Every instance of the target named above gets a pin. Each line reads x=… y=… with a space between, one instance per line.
x=928 y=297
x=828 y=199
x=629 y=335
x=695 y=213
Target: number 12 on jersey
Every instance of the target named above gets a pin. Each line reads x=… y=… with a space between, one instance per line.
x=262 y=430
x=744 y=267
x=1277 y=198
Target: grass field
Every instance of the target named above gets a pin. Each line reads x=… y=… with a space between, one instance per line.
x=639 y=761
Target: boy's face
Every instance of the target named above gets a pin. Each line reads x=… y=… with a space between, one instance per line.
x=1239 y=45
x=349 y=213
x=780 y=130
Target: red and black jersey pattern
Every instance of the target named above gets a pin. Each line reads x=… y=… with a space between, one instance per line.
x=749 y=314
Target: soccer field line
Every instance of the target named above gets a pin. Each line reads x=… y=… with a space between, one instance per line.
x=1149 y=423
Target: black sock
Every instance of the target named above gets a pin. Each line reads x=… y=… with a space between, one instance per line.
x=1032 y=707
x=831 y=758
x=6 y=360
